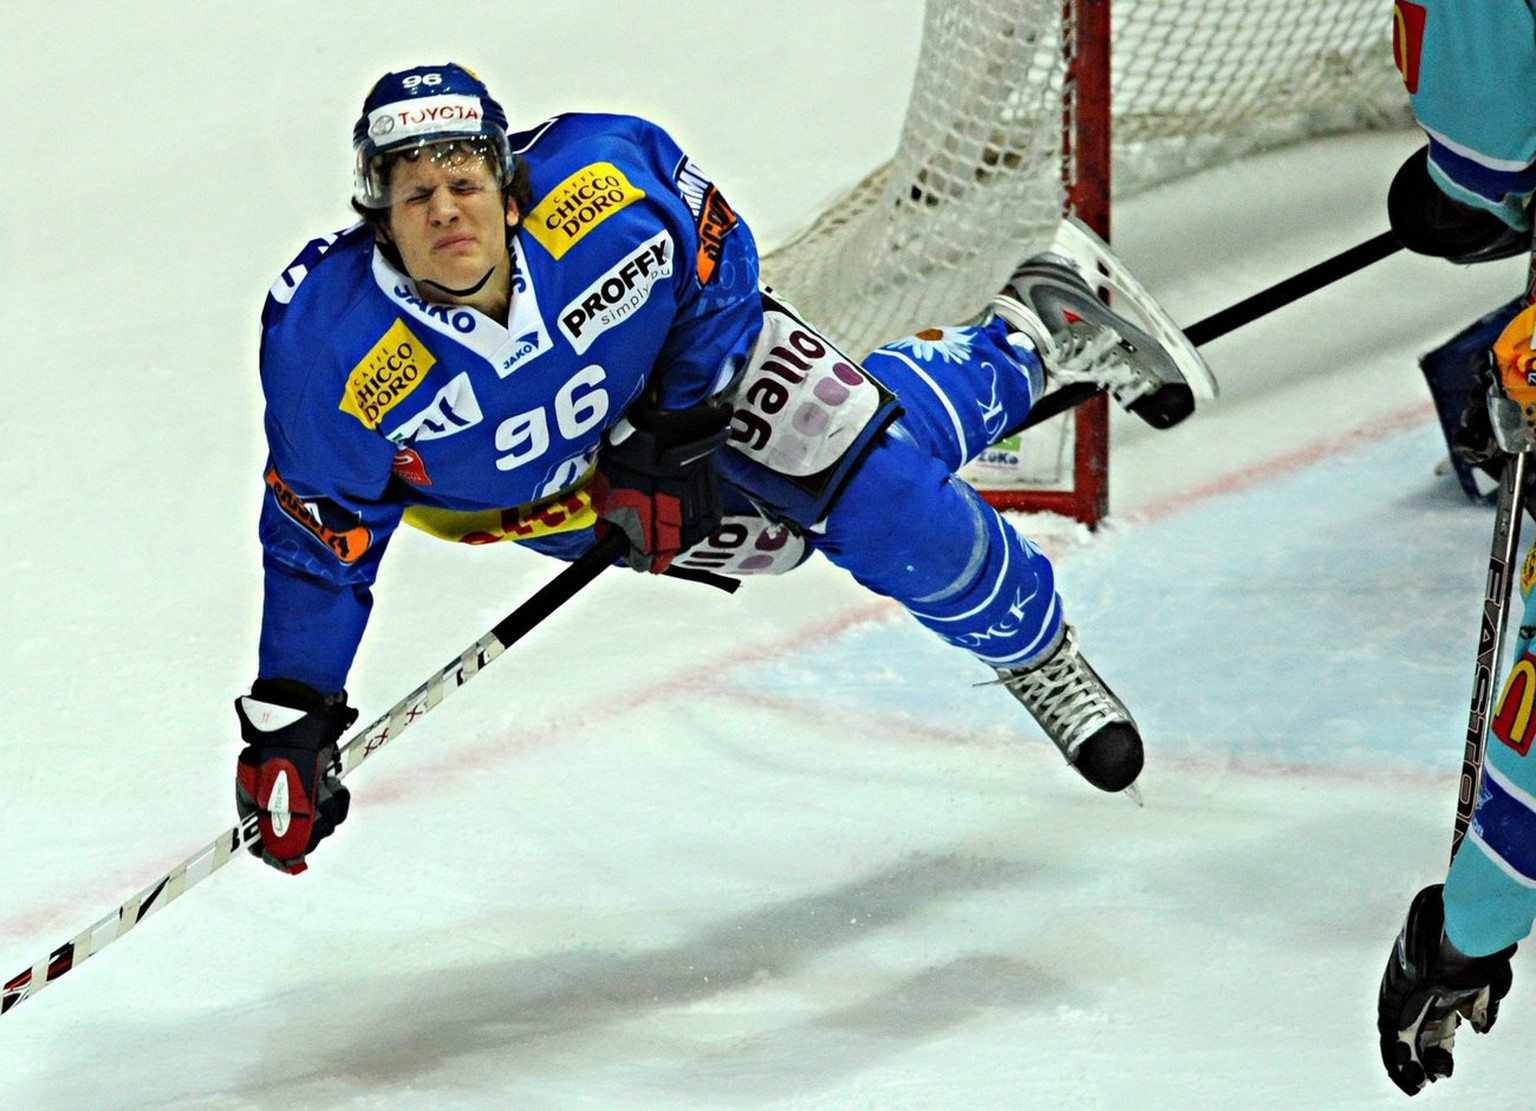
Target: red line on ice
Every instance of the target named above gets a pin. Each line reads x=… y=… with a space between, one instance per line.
x=538 y=734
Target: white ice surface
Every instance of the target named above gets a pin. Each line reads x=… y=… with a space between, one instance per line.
x=679 y=849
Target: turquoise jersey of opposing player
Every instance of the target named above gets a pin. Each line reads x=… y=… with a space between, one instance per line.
x=1466 y=196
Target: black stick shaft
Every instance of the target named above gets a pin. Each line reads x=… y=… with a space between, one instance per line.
x=1295 y=287
x=1490 y=642
x=559 y=590
x=227 y=845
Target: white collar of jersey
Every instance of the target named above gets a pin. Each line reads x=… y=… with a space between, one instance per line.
x=506 y=347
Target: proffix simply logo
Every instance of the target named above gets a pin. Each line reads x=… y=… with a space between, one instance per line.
x=618 y=294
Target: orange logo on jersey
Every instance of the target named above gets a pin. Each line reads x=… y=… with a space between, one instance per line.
x=1408 y=41
x=716 y=219
x=347 y=545
x=578 y=204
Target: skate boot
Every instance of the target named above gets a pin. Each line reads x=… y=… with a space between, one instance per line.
x=1081 y=715
x=1080 y=339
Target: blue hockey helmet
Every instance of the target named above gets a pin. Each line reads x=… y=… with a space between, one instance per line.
x=417 y=108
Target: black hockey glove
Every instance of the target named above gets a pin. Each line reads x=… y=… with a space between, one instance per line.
x=1428 y=222
x=1428 y=988
x=658 y=484
x=288 y=774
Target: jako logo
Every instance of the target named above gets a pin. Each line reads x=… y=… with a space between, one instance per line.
x=524 y=347
x=618 y=294
x=460 y=320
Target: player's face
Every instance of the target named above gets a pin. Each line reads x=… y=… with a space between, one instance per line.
x=448 y=220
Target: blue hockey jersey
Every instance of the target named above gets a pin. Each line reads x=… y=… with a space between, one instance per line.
x=630 y=271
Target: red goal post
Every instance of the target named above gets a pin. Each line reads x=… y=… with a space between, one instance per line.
x=1085 y=171
x=1019 y=110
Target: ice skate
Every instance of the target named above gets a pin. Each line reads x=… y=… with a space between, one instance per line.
x=1079 y=339
x=1149 y=367
x=1081 y=715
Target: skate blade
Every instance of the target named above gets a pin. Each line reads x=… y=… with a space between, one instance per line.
x=1077 y=241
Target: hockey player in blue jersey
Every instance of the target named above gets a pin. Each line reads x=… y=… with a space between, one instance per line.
x=551 y=335
x=1467 y=197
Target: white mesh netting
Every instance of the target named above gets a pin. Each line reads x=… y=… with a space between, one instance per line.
x=975 y=183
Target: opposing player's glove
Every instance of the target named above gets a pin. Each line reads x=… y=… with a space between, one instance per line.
x=1428 y=222
x=657 y=485
x=1428 y=988
x=288 y=774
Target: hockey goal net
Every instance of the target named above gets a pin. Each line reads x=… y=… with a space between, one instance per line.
x=1018 y=110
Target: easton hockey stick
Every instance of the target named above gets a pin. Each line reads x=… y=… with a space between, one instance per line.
x=1514 y=434
x=363 y=744
x=1233 y=317
x=1490 y=640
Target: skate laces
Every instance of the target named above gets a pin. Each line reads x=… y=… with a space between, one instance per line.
x=1097 y=353
x=1070 y=702
x=1078 y=349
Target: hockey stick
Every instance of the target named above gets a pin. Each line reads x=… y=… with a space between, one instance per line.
x=1514 y=434
x=1232 y=317
x=1490 y=641
x=363 y=744
x=1294 y=288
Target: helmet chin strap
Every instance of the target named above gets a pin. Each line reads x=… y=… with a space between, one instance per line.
x=467 y=291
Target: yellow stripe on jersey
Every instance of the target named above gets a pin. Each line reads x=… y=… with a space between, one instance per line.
x=564 y=512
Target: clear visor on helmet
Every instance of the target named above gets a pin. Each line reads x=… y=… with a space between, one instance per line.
x=375 y=172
